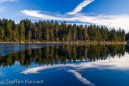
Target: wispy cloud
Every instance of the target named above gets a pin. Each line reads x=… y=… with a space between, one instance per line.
x=80 y=7
x=35 y=13
x=116 y=21
x=111 y=64
x=108 y=64
x=8 y=0
x=80 y=78
x=107 y=20
x=2 y=9
x=1 y=74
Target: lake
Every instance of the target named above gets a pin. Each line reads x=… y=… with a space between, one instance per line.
x=64 y=65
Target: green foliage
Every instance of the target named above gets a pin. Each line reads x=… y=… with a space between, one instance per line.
x=53 y=32
x=22 y=31
x=2 y=34
x=50 y=55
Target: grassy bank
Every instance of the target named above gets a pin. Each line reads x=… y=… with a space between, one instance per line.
x=99 y=43
x=79 y=42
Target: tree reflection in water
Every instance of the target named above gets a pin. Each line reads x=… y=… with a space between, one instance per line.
x=52 y=55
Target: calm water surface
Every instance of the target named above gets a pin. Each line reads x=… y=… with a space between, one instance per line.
x=61 y=65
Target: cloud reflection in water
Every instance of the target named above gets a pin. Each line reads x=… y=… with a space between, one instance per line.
x=111 y=63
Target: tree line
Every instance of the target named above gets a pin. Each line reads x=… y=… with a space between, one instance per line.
x=50 y=31
x=127 y=36
x=63 y=54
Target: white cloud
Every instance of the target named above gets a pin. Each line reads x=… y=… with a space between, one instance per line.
x=116 y=63
x=112 y=12
x=1 y=74
x=2 y=9
x=115 y=21
x=8 y=0
x=80 y=7
x=35 y=13
x=36 y=69
x=80 y=78
x=111 y=64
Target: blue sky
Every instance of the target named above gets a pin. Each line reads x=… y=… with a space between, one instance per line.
x=111 y=13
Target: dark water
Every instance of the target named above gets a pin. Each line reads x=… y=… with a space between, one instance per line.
x=69 y=65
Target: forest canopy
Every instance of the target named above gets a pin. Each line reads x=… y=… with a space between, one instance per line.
x=50 y=31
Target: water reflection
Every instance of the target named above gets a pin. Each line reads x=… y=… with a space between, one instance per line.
x=12 y=48
x=112 y=63
x=80 y=78
x=77 y=65
x=63 y=54
x=101 y=57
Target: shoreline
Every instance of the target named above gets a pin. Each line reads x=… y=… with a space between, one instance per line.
x=88 y=43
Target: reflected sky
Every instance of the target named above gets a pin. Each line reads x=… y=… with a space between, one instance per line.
x=120 y=64
x=110 y=63
x=6 y=49
x=112 y=71
x=80 y=71
x=80 y=78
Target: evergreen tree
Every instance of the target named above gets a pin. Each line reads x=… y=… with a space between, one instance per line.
x=53 y=31
x=16 y=33
x=56 y=26
x=22 y=31
x=8 y=30
x=98 y=34
x=2 y=34
x=86 y=33
x=74 y=32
